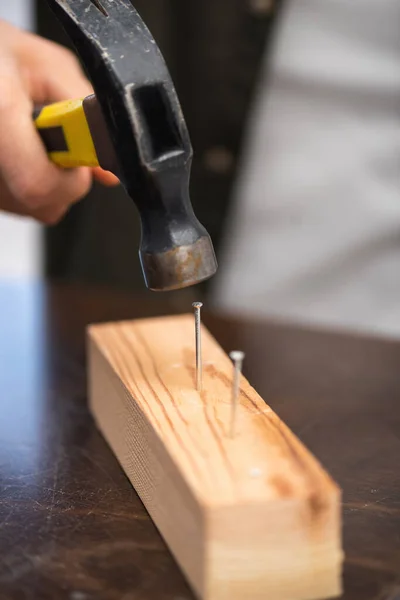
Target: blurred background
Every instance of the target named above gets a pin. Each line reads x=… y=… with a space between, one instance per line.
x=20 y=239
x=293 y=108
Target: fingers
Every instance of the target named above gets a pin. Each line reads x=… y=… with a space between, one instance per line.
x=56 y=84
x=54 y=72
x=37 y=71
x=71 y=83
x=31 y=179
x=49 y=71
x=48 y=215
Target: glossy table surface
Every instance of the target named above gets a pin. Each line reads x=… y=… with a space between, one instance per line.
x=72 y=527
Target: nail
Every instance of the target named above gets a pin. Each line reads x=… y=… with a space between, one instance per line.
x=237 y=357
x=197 y=324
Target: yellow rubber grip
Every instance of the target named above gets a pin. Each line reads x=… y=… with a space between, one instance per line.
x=66 y=134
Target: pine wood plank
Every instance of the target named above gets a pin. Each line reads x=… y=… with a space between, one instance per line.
x=251 y=517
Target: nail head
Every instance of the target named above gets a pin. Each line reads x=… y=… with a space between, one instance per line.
x=197 y=304
x=236 y=355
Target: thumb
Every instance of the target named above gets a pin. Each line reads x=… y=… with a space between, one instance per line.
x=105 y=177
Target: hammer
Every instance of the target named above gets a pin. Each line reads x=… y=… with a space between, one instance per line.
x=132 y=126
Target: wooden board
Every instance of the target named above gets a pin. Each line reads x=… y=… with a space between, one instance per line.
x=251 y=517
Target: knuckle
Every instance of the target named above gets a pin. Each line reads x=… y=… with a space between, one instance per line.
x=81 y=186
x=52 y=217
x=9 y=89
x=6 y=100
x=45 y=187
x=68 y=57
x=33 y=192
x=51 y=54
x=84 y=189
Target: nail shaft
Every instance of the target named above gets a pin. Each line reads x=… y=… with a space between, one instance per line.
x=237 y=357
x=197 y=324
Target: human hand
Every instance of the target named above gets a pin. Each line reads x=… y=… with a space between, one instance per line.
x=35 y=71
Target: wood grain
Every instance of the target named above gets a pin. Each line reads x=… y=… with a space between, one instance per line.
x=251 y=517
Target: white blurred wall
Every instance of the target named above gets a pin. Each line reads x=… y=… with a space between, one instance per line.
x=20 y=239
x=315 y=234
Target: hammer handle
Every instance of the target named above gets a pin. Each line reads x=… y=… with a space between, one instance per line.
x=74 y=134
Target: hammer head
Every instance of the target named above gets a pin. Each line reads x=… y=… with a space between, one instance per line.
x=149 y=149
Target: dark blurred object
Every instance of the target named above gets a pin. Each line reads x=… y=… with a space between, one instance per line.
x=213 y=49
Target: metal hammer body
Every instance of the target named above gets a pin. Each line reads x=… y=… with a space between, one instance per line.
x=138 y=132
